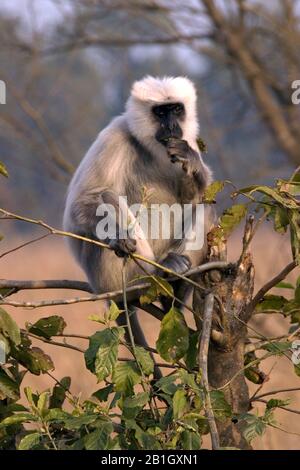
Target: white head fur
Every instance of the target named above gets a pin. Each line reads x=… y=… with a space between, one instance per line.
x=153 y=91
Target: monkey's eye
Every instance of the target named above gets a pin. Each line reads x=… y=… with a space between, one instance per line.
x=178 y=109
x=158 y=111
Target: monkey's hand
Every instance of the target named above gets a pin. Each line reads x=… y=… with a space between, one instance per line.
x=123 y=247
x=178 y=263
x=180 y=151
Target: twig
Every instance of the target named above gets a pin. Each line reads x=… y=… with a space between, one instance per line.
x=291 y=410
x=45 y=284
x=242 y=370
x=63 y=233
x=114 y=295
x=280 y=390
x=84 y=286
x=124 y=42
x=54 y=343
x=272 y=283
x=203 y=354
x=30 y=242
x=250 y=347
x=284 y=430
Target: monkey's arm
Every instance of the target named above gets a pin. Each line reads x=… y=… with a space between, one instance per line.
x=90 y=213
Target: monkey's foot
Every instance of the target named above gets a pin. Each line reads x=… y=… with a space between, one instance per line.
x=178 y=263
x=122 y=247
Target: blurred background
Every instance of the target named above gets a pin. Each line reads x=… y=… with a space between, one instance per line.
x=68 y=68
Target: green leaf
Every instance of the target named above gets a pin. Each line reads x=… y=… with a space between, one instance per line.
x=133 y=405
x=43 y=401
x=221 y=407
x=281 y=220
x=272 y=193
x=139 y=400
x=146 y=440
x=232 y=218
x=145 y=360
x=190 y=440
x=48 y=326
x=161 y=287
x=102 y=353
x=103 y=393
x=179 y=403
x=125 y=376
x=277 y=347
x=18 y=419
x=292 y=188
x=173 y=340
x=295 y=233
x=98 y=439
x=97 y=319
x=201 y=144
x=275 y=403
x=188 y=379
x=297 y=295
x=254 y=426
x=271 y=303
x=253 y=373
x=56 y=414
x=167 y=385
x=29 y=395
x=212 y=190
x=9 y=328
x=297 y=369
x=3 y=170
x=191 y=357
x=29 y=441
x=284 y=285
x=76 y=422
x=114 y=311
x=8 y=387
x=34 y=359
x=59 y=393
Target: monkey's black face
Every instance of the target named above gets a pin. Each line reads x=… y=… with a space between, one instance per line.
x=168 y=117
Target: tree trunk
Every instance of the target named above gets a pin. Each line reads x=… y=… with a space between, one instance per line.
x=233 y=289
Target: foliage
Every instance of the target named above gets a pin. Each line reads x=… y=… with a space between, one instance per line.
x=130 y=410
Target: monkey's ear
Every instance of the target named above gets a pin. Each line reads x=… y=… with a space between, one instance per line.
x=139 y=90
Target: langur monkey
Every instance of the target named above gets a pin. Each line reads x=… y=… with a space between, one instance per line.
x=153 y=145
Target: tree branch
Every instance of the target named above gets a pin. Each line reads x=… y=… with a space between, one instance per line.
x=272 y=283
x=280 y=390
x=45 y=284
x=203 y=356
x=291 y=410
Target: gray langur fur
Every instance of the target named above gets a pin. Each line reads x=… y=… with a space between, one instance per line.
x=126 y=157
